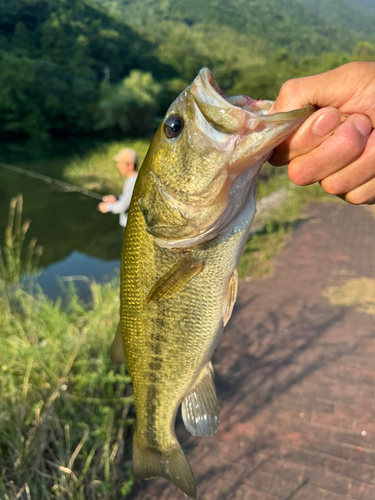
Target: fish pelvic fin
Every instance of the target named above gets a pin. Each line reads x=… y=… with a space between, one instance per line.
x=172 y=465
x=117 y=353
x=175 y=279
x=200 y=408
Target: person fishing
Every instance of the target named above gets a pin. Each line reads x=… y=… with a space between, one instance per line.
x=336 y=145
x=127 y=160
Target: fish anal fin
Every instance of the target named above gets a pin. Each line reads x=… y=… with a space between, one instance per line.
x=171 y=465
x=200 y=408
x=230 y=296
x=117 y=353
x=174 y=279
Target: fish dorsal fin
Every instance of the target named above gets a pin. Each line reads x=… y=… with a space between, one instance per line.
x=200 y=409
x=117 y=353
x=174 y=279
x=230 y=296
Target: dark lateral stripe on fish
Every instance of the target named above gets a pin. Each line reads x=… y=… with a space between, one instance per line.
x=152 y=393
x=156 y=343
x=155 y=364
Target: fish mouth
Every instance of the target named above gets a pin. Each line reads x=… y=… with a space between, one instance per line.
x=238 y=114
x=214 y=104
x=237 y=124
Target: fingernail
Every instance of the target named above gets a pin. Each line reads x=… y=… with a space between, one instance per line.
x=325 y=124
x=363 y=125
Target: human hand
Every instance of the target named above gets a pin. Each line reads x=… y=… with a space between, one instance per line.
x=337 y=152
x=103 y=208
x=109 y=198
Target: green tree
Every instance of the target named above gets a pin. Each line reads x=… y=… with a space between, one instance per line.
x=131 y=105
x=364 y=51
x=22 y=40
x=19 y=110
x=52 y=57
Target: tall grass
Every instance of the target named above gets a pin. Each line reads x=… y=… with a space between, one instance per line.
x=15 y=260
x=64 y=407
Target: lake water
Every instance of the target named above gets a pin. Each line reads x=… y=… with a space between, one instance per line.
x=78 y=241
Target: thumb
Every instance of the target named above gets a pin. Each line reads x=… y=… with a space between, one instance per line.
x=313 y=132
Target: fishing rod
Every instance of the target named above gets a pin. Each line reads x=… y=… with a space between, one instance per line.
x=50 y=180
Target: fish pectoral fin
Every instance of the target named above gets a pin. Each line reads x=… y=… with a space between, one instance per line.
x=200 y=408
x=174 y=279
x=230 y=296
x=117 y=353
x=172 y=465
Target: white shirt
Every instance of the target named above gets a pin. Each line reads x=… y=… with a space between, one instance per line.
x=121 y=206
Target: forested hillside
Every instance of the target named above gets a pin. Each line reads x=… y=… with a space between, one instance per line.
x=282 y=23
x=358 y=16
x=71 y=67
x=53 y=54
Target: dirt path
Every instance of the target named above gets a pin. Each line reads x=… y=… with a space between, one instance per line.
x=295 y=377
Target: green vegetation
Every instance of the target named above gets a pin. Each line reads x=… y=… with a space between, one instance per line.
x=283 y=24
x=64 y=406
x=112 y=67
x=257 y=259
x=53 y=55
x=131 y=105
x=15 y=261
x=358 y=16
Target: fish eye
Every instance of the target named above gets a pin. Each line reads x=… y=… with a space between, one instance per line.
x=173 y=126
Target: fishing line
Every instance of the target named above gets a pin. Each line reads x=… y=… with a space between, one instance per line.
x=50 y=180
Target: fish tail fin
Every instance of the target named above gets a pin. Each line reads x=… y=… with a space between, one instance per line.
x=171 y=465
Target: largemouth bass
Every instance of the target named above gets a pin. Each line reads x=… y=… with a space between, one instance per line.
x=189 y=220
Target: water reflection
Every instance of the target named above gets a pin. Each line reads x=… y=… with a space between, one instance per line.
x=76 y=238
x=82 y=269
